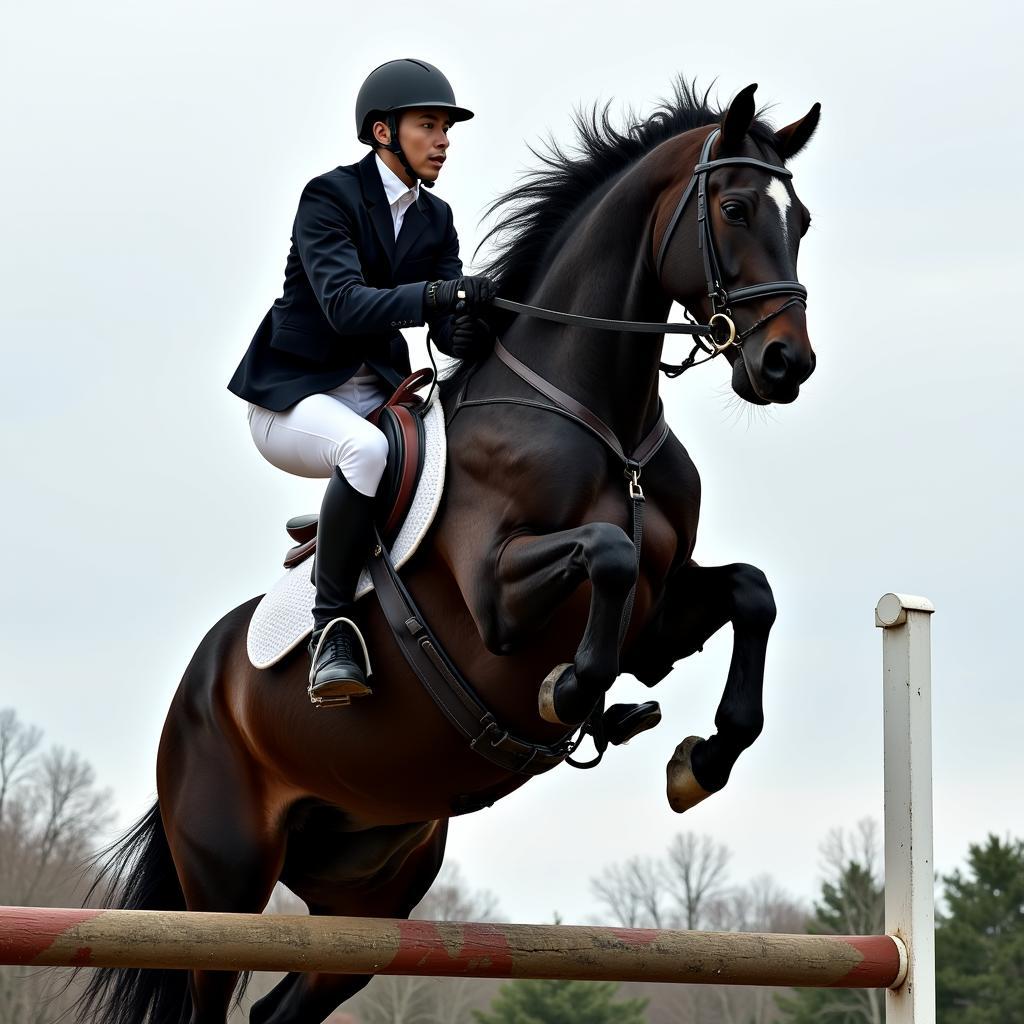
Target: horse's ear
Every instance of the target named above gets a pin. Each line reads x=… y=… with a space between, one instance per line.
x=736 y=120
x=791 y=139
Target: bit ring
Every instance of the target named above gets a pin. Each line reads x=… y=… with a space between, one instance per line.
x=722 y=346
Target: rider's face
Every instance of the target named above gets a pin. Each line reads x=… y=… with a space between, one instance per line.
x=424 y=137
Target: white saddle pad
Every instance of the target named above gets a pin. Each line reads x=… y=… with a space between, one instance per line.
x=284 y=618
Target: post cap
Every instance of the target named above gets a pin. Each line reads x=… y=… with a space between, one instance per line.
x=892 y=609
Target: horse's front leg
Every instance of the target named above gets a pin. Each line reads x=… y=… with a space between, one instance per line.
x=535 y=574
x=698 y=602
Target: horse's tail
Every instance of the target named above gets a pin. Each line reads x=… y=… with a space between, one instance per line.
x=138 y=874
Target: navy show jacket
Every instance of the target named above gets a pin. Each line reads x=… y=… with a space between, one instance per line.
x=349 y=285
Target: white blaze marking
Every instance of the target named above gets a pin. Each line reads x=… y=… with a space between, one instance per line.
x=778 y=191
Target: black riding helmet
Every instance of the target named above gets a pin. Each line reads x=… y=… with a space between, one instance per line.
x=399 y=85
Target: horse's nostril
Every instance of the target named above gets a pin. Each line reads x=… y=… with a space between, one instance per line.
x=774 y=362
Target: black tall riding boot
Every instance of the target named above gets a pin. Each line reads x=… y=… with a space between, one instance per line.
x=340 y=663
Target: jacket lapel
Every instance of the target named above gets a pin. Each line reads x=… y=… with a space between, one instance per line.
x=377 y=203
x=413 y=224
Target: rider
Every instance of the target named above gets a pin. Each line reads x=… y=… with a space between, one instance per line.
x=366 y=242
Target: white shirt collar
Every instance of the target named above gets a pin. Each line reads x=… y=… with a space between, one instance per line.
x=394 y=187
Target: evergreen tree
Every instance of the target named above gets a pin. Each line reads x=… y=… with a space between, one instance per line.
x=980 y=941
x=561 y=1002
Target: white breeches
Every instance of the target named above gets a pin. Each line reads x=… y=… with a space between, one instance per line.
x=327 y=430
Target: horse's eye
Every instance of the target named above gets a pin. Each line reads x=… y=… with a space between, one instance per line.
x=734 y=212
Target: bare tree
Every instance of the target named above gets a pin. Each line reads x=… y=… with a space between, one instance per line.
x=637 y=894
x=761 y=905
x=861 y=844
x=50 y=816
x=451 y=899
x=676 y=892
x=861 y=908
x=18 y=743
x=697 y=871
x=690 y=888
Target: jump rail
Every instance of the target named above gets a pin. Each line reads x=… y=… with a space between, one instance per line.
x=901 y=961
x=353 y=945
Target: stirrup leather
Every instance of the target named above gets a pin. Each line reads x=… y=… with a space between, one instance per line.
x=342 y=700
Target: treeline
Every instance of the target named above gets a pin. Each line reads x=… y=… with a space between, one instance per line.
x=53 y=816
x=979 y=938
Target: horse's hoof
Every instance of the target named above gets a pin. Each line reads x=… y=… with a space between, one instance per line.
x=546 y=697
x=684 y=791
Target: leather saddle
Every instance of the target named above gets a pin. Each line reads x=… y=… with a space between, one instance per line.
x=400 y=419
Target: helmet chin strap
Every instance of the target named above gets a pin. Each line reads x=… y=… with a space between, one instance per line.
x=395 y=147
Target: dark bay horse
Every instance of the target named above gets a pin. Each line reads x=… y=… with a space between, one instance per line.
x=528 y=565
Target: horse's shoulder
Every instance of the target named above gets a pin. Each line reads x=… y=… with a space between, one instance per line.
x=672 y=459
x=672 y=484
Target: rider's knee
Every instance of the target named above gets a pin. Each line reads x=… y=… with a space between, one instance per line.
x=753 y=601
x=363 y=460
x=376 y=451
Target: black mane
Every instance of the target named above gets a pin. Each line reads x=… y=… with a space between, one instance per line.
x=542 y=202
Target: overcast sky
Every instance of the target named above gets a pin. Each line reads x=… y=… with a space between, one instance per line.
x=152 y=160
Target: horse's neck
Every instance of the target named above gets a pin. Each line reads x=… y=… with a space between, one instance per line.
x=601 y=271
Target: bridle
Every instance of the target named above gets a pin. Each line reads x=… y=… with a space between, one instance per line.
x=720 y=332
x=720 y=298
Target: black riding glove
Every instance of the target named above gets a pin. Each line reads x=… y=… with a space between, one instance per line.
x=471 y=337
x=442 y=296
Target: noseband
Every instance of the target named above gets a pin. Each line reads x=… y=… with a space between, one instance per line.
x=721 y=322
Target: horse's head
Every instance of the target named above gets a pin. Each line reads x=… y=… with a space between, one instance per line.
x=727 y=240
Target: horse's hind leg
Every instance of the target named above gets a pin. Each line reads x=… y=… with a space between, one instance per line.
x=227 y=853
x=698 y=603
x=310 y=998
